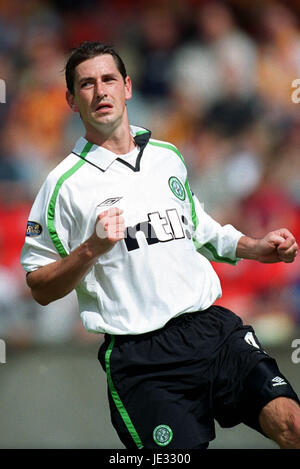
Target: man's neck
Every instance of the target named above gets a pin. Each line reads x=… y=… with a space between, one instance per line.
x=119 y=141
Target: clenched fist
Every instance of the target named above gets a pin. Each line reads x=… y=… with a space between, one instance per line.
x=276 y=246
x=109 y=229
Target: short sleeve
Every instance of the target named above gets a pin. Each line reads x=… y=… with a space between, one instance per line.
x=47 y=230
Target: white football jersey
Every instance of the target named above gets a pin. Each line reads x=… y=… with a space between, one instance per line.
x=162 y=268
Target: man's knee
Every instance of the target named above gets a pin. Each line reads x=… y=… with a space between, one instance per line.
x=280 y=421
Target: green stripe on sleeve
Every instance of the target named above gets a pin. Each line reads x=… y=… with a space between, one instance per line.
x=191 y=199
x=218 y=258
x=52 y=204
x=116 y=398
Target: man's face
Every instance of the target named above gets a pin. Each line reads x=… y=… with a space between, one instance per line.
x=100 y=93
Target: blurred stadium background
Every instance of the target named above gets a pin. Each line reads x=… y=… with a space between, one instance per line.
x=215 y=78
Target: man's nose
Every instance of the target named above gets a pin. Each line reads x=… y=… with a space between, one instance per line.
x=100 y=89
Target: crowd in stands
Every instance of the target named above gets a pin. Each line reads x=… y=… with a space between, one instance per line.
x=214 y=78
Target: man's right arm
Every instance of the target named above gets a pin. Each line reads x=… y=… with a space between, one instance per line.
x=57 y=279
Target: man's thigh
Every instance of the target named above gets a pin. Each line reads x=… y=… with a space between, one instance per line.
x=265 y=396
x=240 y=354
x=160 y=419
x=247 y=380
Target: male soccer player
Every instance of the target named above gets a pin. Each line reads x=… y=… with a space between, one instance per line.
x=116 y=220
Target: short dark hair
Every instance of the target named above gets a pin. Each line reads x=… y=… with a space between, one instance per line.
x=88 y=50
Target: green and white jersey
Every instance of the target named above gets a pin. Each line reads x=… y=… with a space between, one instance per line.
x=162 y=268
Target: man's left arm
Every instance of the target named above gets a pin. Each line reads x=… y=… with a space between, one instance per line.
x=277 y=246
x=215 y=242
x=226 y=244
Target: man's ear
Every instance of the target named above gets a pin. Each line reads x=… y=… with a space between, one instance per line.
x=128 y=88
x=71 y=101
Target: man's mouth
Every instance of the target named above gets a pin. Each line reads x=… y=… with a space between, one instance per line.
x=102 y=107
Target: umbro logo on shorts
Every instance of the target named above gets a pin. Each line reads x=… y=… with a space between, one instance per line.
x=277 y=381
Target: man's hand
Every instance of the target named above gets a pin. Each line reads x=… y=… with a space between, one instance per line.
x=276 y=246
x=57 y=279
x=109 y=229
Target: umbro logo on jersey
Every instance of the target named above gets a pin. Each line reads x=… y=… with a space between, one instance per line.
x=109 y=202
x=277 y=381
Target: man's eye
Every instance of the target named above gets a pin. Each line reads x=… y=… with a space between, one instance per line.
x=86 y=84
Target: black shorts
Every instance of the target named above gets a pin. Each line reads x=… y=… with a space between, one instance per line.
x=166 y=387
